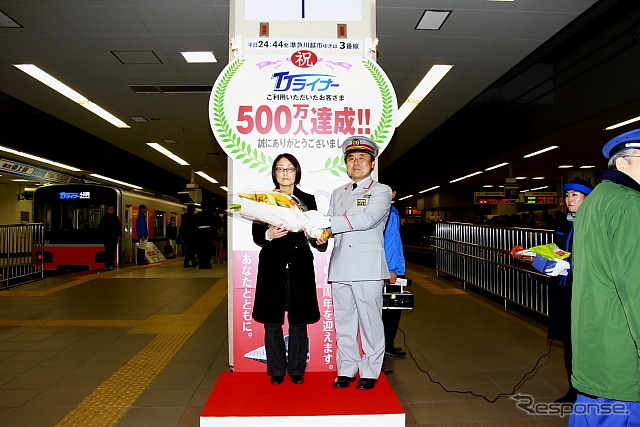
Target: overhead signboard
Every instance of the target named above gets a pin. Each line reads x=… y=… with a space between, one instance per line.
x=491 y=198
x=540 y=198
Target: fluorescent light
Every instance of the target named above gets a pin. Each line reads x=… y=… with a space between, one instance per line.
x=167 y=153
x=626 y=122
x=105 y=178
x=37 y=158
x=20 y=180
x=406 y=197
x=222 y=187
x=432 y=19
x=104 y=114
x=66 y=91
x=429 y=189
x=465 y=177
x=539 y=188
x=199 y=57
x=565 y=166
x=587 y=167
x=429 y=81
x=538 y=177
x=207 y=177
x=496 y=166
x=544 y=150
x=521 y=177
x=488 y=186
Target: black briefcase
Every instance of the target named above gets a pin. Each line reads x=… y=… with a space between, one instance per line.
x=395 y=297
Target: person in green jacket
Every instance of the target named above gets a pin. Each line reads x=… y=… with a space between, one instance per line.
x=605 y=305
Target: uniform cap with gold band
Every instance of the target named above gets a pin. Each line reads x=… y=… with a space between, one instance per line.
x=360 y=144
x=629 y=139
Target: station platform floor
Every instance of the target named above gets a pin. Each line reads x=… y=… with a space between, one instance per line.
x=144 y=345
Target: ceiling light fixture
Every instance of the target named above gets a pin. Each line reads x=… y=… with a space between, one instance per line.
x=465 y=177
x=587 y=167
x=565 y=166
x=626 y=122
x=429 y=189
x=105 y=178
x=521 y=177
x=429 y=81
x=488 y=186
x=139 y=119
x=538 y=177
x=207 y=177
x=63 y=89
x=496 y=166
x=167 y=153
x=199 y=57
x=406 y=197
x=539 y=188
x=432 y=19
x=39 y=159
x=544 y=150
x=222 y=187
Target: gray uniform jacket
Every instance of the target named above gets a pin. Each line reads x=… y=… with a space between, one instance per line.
x=358 y=219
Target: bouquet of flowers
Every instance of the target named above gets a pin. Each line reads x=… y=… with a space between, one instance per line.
x=548 y=259
x=275 y=208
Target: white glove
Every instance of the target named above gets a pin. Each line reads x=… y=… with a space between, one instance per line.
x=561 y=268
x=316 y=220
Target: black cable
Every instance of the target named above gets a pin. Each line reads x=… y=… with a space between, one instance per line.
x=515 y=387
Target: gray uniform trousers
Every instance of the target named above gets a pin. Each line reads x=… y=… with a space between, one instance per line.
x=366 y=297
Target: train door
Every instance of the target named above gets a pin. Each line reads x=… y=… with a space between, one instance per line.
x=127 y=239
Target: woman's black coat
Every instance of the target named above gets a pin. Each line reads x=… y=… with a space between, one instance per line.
x=272 y=292
x=560 y=288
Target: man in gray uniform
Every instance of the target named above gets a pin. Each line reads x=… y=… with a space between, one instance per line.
x=358 y=212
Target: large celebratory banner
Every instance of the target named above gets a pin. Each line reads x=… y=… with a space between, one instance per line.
x=301 y=95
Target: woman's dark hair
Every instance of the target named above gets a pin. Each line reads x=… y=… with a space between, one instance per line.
x=293 y=161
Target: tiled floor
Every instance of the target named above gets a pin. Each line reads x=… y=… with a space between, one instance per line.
x=72 y=351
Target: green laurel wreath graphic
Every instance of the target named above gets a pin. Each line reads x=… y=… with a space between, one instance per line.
x=381 y=133
x=237 y=145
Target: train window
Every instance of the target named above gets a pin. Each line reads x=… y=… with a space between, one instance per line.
x=158 y=223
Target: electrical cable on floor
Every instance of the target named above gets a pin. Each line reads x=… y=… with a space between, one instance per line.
x=515 y=387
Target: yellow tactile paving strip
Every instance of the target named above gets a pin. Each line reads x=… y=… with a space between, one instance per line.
x=435 y=289
x=111 y=400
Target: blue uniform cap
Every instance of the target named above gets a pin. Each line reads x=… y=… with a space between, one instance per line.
x=629 y=139
x=573 y=186
x=360 y=144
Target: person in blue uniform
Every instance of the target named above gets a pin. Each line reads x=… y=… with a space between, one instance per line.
x=286 y=282
x=357 y=216
x=560 y=290
x=396 y=263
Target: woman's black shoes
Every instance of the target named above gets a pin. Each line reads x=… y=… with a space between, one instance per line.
x=277 y=379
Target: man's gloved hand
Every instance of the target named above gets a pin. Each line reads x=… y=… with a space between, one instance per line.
x=316 y=224
x=317 y=220
x=561 y=268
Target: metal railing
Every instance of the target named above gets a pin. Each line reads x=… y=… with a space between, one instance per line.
x=479 y=255
x=21 y=253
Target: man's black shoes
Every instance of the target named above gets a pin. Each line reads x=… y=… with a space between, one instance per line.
x=343 y=382
x=366 y=383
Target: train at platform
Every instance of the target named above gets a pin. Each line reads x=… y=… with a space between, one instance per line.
x=71 y=215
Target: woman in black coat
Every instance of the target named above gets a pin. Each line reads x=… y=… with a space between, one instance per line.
x=286 y=282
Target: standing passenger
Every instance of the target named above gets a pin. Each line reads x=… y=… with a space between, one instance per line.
x=143 y=234
x=286 y=282
x=186 y=235
x=605 y=306
x=358 y=212
x=111 y=231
